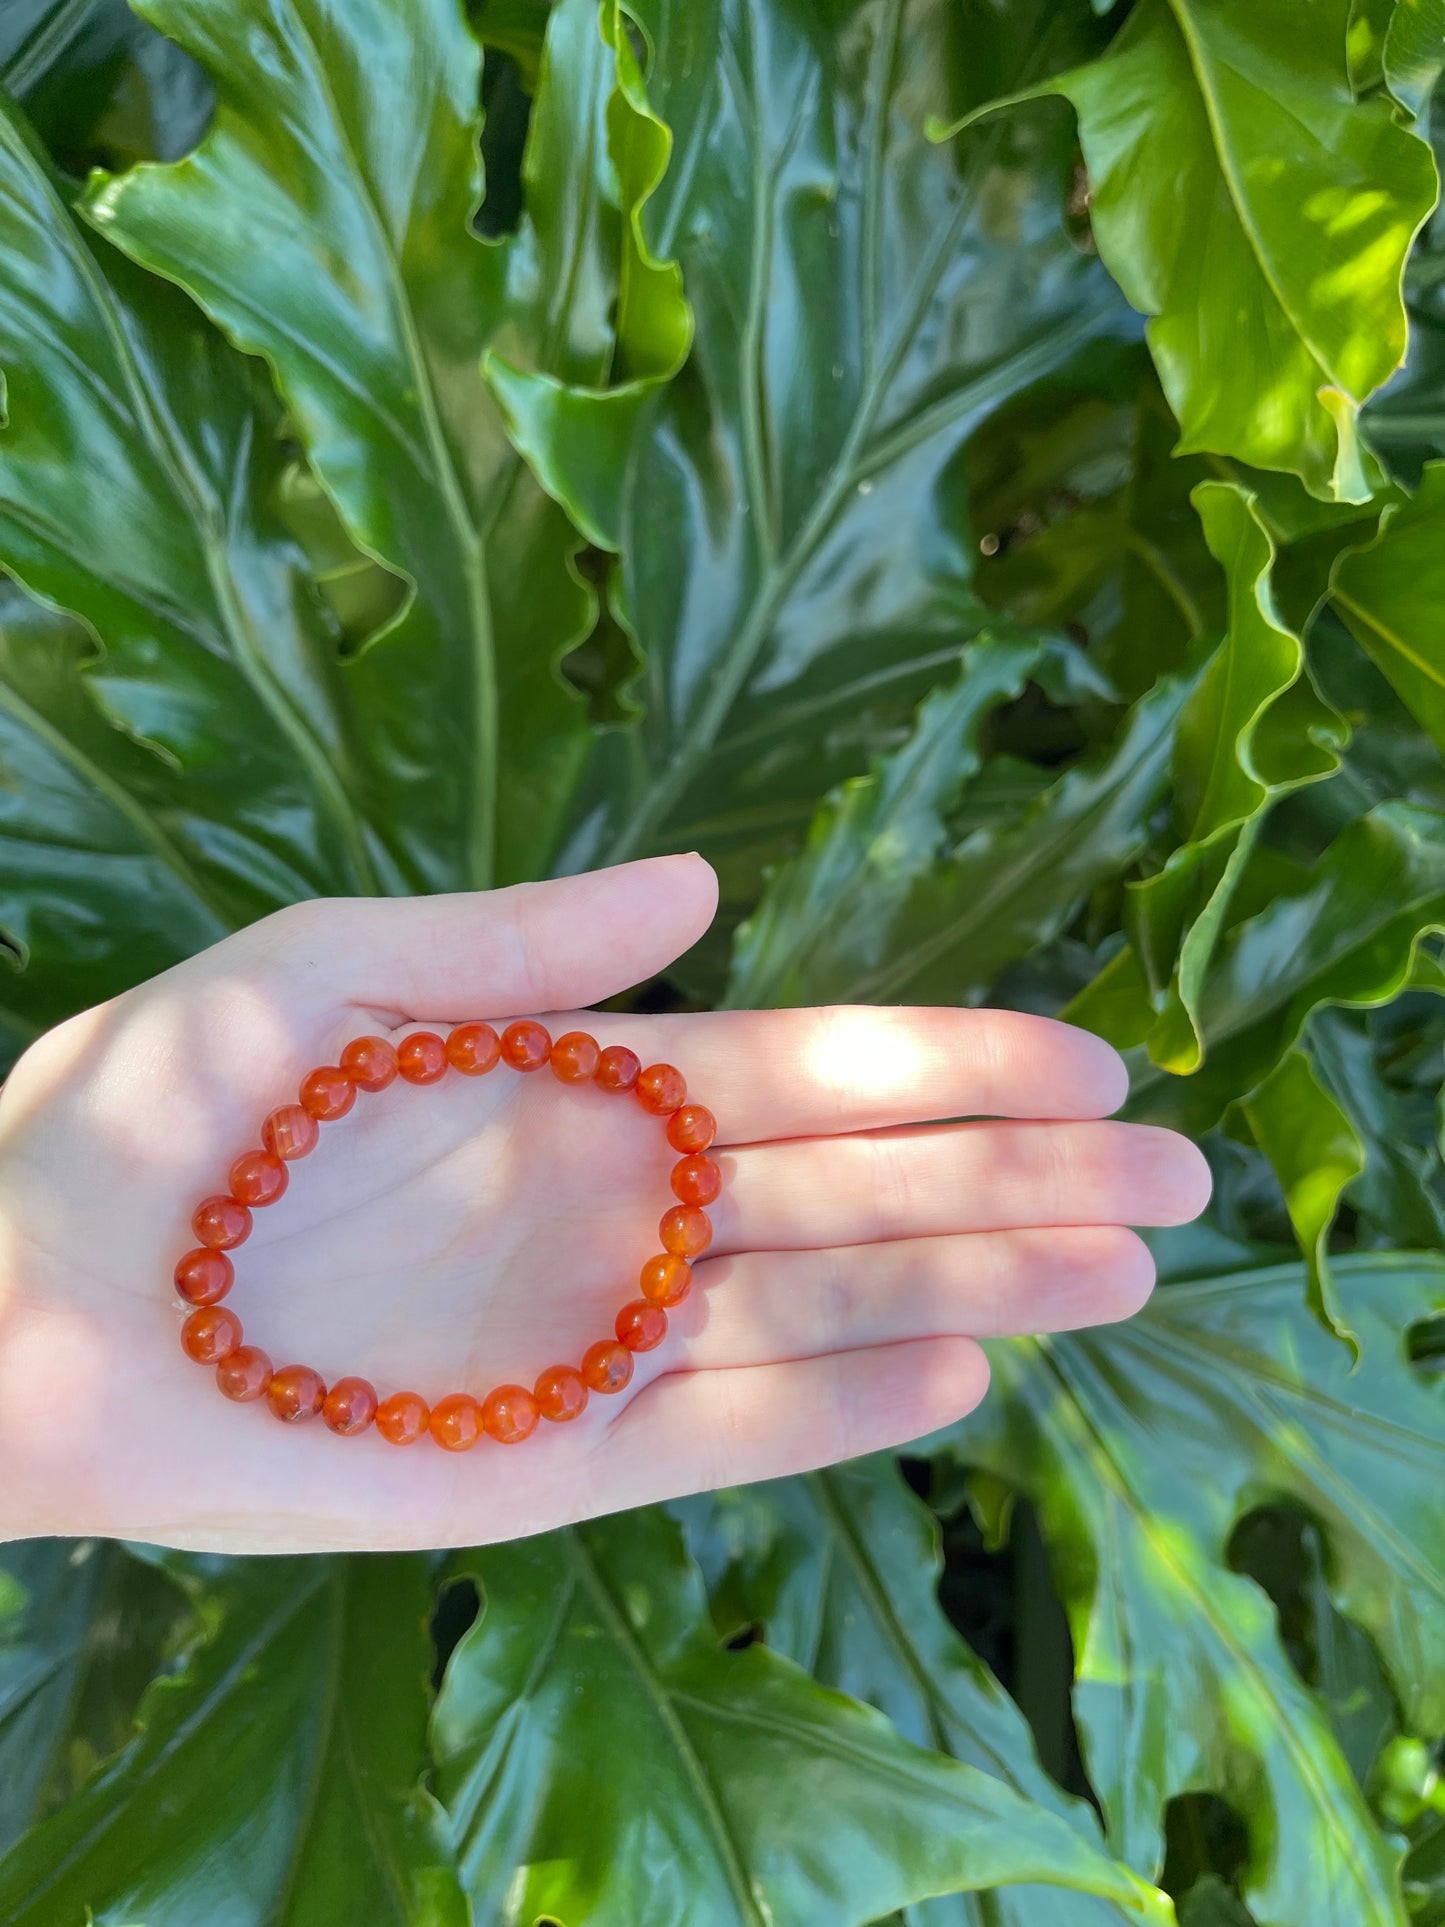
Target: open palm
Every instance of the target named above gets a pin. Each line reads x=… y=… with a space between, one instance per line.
x=478 y=1230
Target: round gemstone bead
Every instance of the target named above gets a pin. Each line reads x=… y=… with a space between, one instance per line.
x=641 y=1327
x=575 y=1057
x=350 y=1406
x=204 y=1276
x=473 y=1049
x=402 y=1418
x=221 y=1223
x=666 y=1279
x=290 y=1132
x=422 y=1057
x=661 y=1089
x=526 y=1045
x=685 y=1231
x=370 y=1063
x=257 y=1177
x=244 y=1374
x=692 y=1128
x=296 y=1392
x=607 y=1365
x=618 y=1068
x=696 y=1179
x=456 y=1422
x=560 y=1392
x=211 y=1334
x=327 y=1093
x=509 y=1414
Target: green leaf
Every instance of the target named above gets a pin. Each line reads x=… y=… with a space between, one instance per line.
x=840 y=1571
x=1142 y=1445
x=1253 y=729
x=1390 y=594
x=604 y=1759
x=325 y=223
x=1315 y=1153
x=1400 y=1189
x=1269 y=252
x=1415 y=52
x=281 y=1768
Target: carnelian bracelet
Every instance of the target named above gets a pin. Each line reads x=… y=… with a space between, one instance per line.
x=211 y=1334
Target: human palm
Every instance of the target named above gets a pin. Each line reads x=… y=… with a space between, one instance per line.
x=474 y=1232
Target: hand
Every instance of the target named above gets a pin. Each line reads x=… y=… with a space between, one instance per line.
x=453 y=1237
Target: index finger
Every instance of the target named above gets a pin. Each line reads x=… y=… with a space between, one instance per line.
x=854 y=1067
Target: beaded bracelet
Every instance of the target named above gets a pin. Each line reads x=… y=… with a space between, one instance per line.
x=211 y=1334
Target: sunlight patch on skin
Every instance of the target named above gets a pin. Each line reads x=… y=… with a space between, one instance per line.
x=865 y=1053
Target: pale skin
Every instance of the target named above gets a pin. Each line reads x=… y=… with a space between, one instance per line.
x=898 y=1184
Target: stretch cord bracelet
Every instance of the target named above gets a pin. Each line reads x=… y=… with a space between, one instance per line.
x=211 y=1334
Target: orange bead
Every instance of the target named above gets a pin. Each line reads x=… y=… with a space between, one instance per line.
x=692 y=1128
x=327 y=1093
x=204 y=1276
x=290 y=1132
x=606 y=1366
x=526 y=1045
x=350 y=1406
x=422 y=1057
x=221 y=1223
x=641 y=1327
x=666 y=1279
x=258 y=1177
x=244 y=1374
x=211 y=1334
x=456 y=1422
x=575 y=1057
x=696 y=1179
x=618 y=1068
x=661 y=1089
x=402 y=1418
x=296 y=1392
x=473 y=1049
x=509 y=1414
x=560 y=1392
x=685 y=1230
x=370 y=1063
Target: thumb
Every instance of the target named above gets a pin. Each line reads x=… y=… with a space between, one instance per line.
x=533 y=946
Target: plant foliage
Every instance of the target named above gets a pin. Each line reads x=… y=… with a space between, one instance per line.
x=975 y=469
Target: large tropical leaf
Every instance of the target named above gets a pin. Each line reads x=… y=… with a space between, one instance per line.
x=1143 y=1445
x=604 y=1759
x=275 y=1780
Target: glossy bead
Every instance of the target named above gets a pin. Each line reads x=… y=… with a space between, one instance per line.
x=692 y=1128
x=666 y=1279
x=244 y=1374
x=296 y=1392
x=575 y=1057
x=641 y=1327
x=661 y=1089
x=370 y=1063
x=509 y=1414
x=422 y=1057
x=473 y=1049
x=402 y=1418
x=350 y=1406
x=560 y=1392
x=526 y=1045
x=696 y=1179
x=204 y=1276
x=221 y=1223
x=211 y=1334
x=290 y=1132
x=685 y=1231
x=456 y=1422
x=607 y=1365
x=618 y=1068
x=327 y=1093
x=258 y=1177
